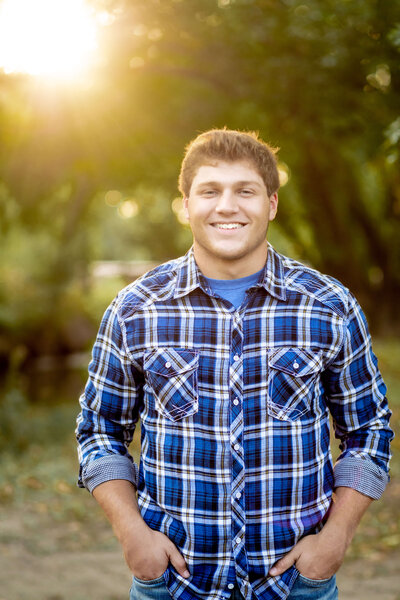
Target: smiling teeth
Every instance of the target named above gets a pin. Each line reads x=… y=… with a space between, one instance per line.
x=229 y=225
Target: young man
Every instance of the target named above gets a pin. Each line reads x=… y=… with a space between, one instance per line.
x=232 y=357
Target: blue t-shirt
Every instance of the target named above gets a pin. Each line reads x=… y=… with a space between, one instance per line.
x=233 y=290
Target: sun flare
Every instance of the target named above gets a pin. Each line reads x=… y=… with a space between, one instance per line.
x=47 y=38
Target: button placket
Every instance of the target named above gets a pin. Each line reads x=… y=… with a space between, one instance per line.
x=238 y=466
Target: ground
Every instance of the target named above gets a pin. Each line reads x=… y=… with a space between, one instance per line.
x=42 y=558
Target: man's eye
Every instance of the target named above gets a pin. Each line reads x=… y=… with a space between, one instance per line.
x=208 y=193
x=246 y=192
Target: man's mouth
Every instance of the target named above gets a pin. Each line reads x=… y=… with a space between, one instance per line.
x=228 y=225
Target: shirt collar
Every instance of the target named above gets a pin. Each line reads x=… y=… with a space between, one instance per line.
x=272 y=278
x=189 y=276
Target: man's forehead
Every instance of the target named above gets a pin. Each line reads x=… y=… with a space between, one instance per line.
x=218 y=170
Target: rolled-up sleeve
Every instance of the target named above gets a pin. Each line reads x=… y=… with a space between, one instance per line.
x=109 y=408
x=357 y=400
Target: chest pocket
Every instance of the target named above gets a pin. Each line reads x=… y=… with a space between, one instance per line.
x=292 y=377
x=172 y=376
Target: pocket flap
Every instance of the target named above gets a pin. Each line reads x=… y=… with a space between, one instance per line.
x=295 y=361
x=170 y=361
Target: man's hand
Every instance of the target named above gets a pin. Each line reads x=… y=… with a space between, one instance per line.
x=315 y=556
x=148 y=553
x=319 y=556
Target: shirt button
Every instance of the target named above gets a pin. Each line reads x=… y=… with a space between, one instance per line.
x=296 y=365
x=236 y=447
x=236 y=357
x=167 y=365
x=238 y=495
x=238 y=540
x=236 y=402
x=231 y=586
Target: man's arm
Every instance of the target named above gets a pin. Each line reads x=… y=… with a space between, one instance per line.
x=355 y=394
x=147 y=552
x=109 y=408
x=319 y=556
x=105 y=428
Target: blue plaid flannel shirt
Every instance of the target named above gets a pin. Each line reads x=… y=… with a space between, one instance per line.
x=234 y=408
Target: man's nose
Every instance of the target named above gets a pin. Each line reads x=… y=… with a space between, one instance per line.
x=227 y=202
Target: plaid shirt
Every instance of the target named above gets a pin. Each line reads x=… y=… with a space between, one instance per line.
x=234 y=408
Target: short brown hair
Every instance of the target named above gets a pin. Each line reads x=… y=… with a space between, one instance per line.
x=229 y=145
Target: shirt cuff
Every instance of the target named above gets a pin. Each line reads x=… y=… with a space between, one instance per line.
x=361 y=474
x=107 y=468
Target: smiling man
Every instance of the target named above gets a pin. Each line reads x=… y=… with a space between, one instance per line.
x=233 y=357
x=229 y=210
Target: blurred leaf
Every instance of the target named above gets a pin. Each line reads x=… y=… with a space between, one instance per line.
x=319 y=79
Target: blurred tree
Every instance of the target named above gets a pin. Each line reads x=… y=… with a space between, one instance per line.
x=319 y=79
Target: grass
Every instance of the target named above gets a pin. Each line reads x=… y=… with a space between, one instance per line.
x=39 y=469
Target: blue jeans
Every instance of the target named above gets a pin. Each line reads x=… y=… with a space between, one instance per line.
x=306 y=589
x=303 y=589
x=149 y=590
x=321 y=589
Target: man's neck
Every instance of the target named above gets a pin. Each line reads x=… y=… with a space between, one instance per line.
x=215 y=268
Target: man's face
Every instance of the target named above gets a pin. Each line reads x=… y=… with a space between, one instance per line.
x=229 y=211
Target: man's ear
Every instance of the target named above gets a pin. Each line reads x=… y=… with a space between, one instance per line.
x=273 y=206
x=185 y=204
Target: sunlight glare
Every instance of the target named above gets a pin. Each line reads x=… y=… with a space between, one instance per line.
x=47 y=38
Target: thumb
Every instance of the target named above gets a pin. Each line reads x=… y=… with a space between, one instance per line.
x=284 y=563
x=177 y=561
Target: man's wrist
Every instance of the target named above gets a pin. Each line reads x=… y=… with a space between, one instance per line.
x=337 y=533
x=346 y=511
x=119 y=502
x=132 y=528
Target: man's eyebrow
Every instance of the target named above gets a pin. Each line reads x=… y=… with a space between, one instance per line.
x=249 y=182
x=208 y=183
x=235 y=183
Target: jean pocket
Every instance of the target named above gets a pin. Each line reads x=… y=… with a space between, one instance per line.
x=172 y=374
x=292 y=375
x=157 y=581
x=315 y=582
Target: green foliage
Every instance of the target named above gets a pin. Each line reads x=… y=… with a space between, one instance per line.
x=140 y=224
x=29 y=429
x=43 y=276
x=15 y=434
x=319 y=79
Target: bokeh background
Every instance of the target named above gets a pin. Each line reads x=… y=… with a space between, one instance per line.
x=91 y=140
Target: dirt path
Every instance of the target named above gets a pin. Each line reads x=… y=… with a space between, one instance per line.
x=48 y=558
x=371 y=580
